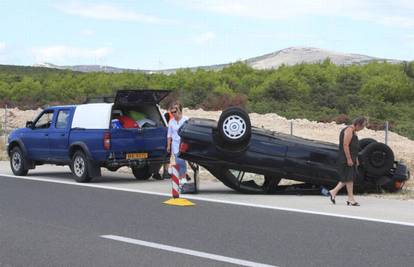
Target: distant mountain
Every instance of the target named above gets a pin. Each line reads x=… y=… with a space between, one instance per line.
x=88 y=68
x=288 y=56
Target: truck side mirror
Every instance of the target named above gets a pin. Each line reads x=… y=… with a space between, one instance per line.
x=29 y=124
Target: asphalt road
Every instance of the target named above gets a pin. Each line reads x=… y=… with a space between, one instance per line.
x=49 y=224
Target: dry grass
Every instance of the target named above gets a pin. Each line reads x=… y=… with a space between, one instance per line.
x=3 y=155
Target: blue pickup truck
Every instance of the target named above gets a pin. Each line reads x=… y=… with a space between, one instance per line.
x=86 y=138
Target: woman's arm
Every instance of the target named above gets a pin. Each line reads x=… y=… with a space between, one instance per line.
x=169 y=137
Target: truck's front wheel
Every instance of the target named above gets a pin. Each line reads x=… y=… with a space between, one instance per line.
x=17 y=162
x=79 y=167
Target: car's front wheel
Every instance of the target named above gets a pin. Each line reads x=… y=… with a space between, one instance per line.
x=17 y=162
x=80 y=167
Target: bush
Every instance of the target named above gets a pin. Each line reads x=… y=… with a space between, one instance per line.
x=342 y=119
x=219 y=101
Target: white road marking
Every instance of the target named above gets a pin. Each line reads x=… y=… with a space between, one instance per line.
x=186 y=251
x=42 y=179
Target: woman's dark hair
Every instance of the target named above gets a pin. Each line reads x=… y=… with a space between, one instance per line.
x=360 y=121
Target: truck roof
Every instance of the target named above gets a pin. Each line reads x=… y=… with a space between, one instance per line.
x=61 y=106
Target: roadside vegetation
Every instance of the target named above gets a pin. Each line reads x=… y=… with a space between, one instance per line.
x=323 y=92
x=3 y=155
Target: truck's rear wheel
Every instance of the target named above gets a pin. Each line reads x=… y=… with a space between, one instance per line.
x=80 y=167
x=141 y=173
x=17 y=162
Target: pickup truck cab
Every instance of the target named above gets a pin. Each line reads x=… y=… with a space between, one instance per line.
x=86 y=138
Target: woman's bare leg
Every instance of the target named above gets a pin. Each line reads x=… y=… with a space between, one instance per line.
x=335 y=190
x=350 y=190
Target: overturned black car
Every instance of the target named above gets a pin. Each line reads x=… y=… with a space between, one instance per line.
x=254 y=160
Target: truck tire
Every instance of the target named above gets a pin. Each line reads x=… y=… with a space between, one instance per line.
x=234 y=126
x=377 y=159
x=80 y=167
x=17 y=162
x=141 y=173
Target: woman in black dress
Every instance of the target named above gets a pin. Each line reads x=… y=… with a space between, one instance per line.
x=348 y=160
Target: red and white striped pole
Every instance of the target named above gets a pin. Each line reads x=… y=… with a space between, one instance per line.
x=176 y=200
x=173 y=171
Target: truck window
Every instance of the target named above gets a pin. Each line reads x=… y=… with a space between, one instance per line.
x=62 y=119
x=45 y=120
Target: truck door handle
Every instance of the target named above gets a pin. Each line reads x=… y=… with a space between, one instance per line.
x=46 y=134
x=62 y=134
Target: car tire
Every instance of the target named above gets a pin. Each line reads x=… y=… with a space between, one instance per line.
x=377 y=159
x=80 y=167
x=141 y=173
x=364 y=142
x=234 y=126
x=17 y=162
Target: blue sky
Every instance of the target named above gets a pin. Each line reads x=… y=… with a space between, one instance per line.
x=182 y=33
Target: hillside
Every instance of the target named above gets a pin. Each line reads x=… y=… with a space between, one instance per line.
x=289 y=56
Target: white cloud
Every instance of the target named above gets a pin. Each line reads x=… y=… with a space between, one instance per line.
x=204 y=38
x=409 y=40
x=108 y=12
x=87 y=32
x=399 y=13
x=2 y=46
x=61 y=54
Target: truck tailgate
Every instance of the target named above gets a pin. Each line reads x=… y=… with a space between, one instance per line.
x=152 y=141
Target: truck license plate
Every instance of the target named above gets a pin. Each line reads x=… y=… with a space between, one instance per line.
x=136 y=155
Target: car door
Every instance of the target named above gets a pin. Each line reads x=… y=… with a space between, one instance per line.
x=59 y=135
x=37 y=139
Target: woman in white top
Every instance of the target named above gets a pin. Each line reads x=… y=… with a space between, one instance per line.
x=173 y=144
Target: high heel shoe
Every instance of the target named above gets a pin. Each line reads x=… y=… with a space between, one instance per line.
x=331 y=197
x=352 y=204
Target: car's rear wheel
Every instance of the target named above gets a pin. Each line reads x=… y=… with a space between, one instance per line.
x=141 y=173
x=377 y=159
x=80 y=167
x=234 y=126
x=364 y=142
x=17 y=162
